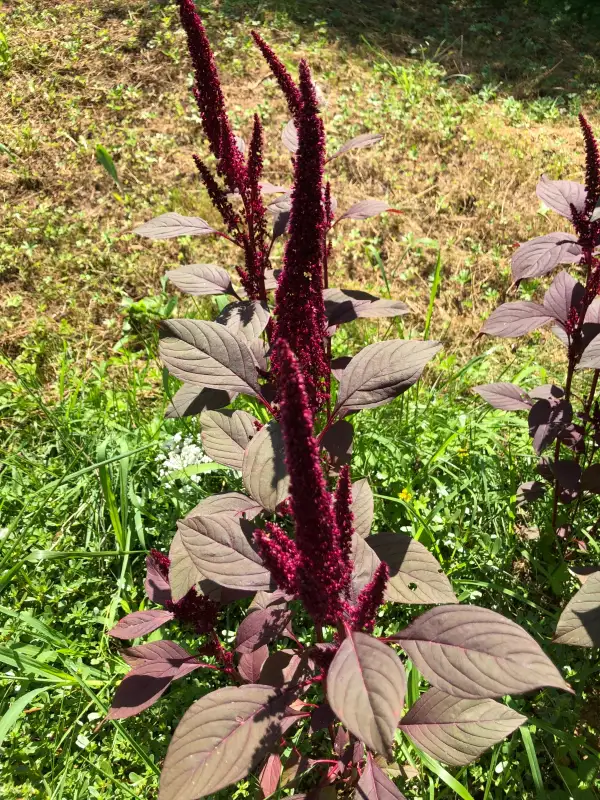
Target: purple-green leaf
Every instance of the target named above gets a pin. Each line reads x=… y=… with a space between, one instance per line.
x=505 y=396
x=591 y=355
x=289 y=136
x=561 y=195
x=140 y=623
x=233 y=503
x=191 y=399
x=579 y=623
x=251 y=664
x=201 y=280
x=365 y=688
x=364 y=565
x=226 y=435
x=374 y=784
x=541 y=255
x=590 y=480
x=156 y=585
x=365 y=209
x=247 y=318
x=473 y=652
x=363 y=507
x=263 y=470
x=160 y=651
x=168 y=226
x=220 y=739
x=516 y=319
x=456 y=731
x=269 y=775
x=337 y=441
x=221 y=552
x=261 y=627
x=546 y=420
x=563 y=293
x=530 y=491
x=345 y=305
x=415 y=575
x=207 y=354
x=144 y=684
x=382 y=371
x=364 y=140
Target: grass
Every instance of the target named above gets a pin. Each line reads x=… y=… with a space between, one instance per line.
x=474 y=103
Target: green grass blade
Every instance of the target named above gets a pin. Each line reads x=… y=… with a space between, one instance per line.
x=15 y=709
x=437 y=279
x=445 y=776
x=534 y=764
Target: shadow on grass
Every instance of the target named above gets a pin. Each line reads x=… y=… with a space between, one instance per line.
x=533 y=47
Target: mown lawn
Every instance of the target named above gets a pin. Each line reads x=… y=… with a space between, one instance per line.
x=475 y=101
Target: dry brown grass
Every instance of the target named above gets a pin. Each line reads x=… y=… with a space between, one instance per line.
x=461 y=168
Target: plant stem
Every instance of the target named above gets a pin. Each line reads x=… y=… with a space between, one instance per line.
x=570 y=373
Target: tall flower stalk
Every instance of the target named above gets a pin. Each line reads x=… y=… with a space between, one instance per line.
x=298 y=539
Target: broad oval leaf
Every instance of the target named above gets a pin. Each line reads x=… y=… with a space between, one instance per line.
x=289 y=136
x=364 y=140
x=168 y=226
x=363 y=507
x=579 y=623
x=226 y=435
x=505 y=396
x=541 y=255
x=220 y=551
x=191 y=399
x=345 y=305
x=473 y=652
x=156 y=585
x=516 y=319
x=590 y=480
x=161 y=650
x=251 y=664
x=530 y=491
x=337 y=441
x=140 y=623
x=415 y=575
x=381 y=372
x=233 y=503
x=365 y=209
x=364 y=565
x=183 y=573
x=560 y=195
x=263 y=470
x=564 y=292
x=144 y=684
x=366 y=683
x=247 y=319
x=457 y=731
x=201 y=280
x=374 y=784
x=283 y=667
x=220 y=739
x=261 y=627
x=207 y=354
x=591 y=355
x=547 y=418
x=269 y=775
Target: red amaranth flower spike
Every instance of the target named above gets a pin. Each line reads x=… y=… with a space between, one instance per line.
x=283 y=77
x=300 y=310
x=210 y=100
x=322 y=573
x=218 y=198
x=280 y=555
x=592 y=166
x=162 y=561
x=369 y=600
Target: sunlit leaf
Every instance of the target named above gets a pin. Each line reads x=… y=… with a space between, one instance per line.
x=365 y=687
x=579 y=623
x=220 y=739
x=474 y=652
x=457 y=731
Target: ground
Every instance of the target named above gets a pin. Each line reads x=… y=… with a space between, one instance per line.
x=475 y=101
